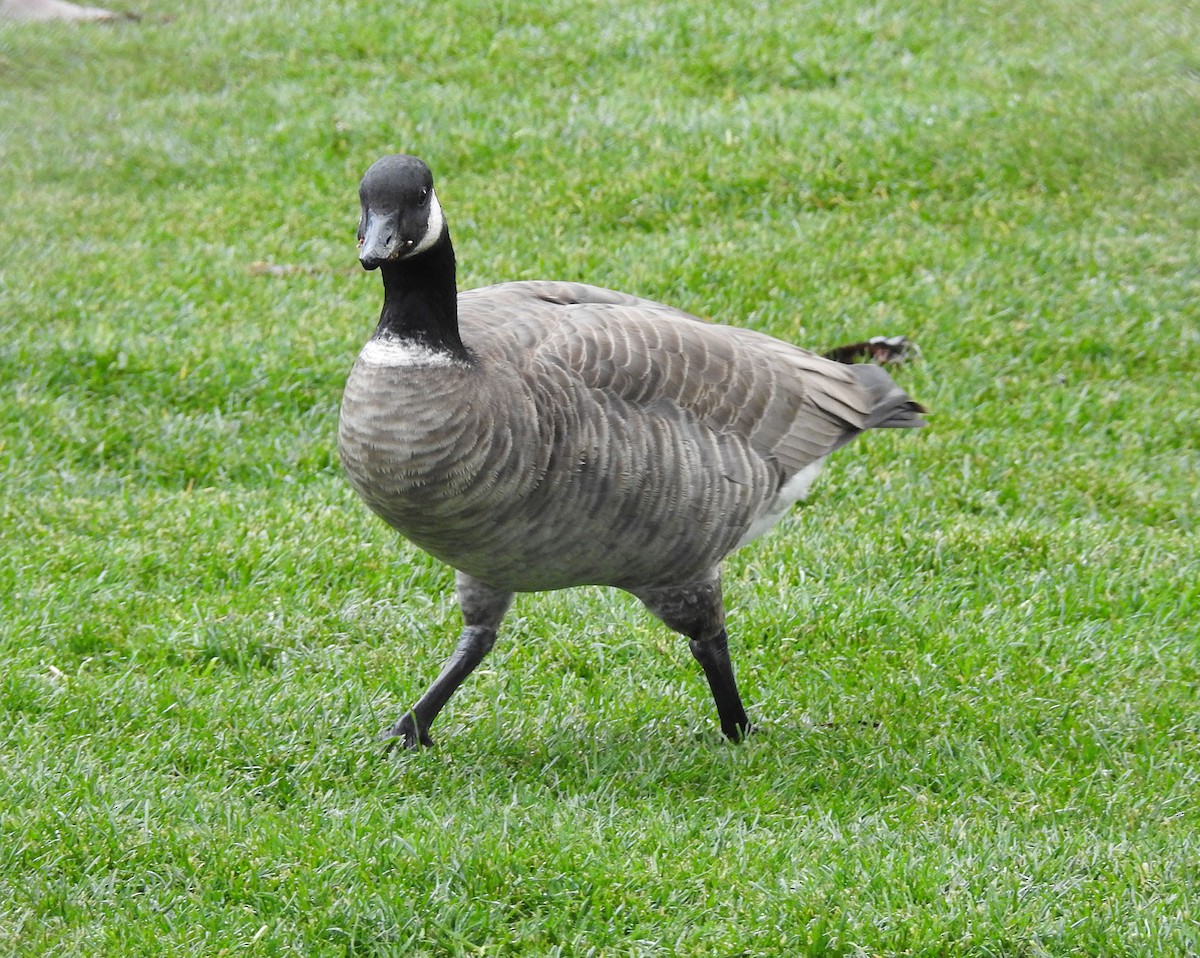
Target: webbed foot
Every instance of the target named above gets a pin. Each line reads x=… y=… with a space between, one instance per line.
x=406 y=733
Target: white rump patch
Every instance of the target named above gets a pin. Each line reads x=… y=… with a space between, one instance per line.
x=398 y=352
x=433 y=229
x=792 y=492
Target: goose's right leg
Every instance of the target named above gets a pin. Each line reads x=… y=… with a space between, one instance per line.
x=697 y=611
x=483 y=608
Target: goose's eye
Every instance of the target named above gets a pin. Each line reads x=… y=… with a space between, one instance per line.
x=424 y=194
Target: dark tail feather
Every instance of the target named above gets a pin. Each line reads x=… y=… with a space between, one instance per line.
x=878 y=349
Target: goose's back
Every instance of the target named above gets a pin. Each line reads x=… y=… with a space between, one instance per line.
x=596 y=438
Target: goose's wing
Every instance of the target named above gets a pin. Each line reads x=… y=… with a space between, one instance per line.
x=786 y=405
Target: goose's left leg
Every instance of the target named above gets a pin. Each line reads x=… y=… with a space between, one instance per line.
x=697 y=611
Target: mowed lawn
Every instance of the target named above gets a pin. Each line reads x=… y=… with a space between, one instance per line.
x=973 y=656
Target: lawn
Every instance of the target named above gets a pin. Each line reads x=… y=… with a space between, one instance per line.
x=973 y=656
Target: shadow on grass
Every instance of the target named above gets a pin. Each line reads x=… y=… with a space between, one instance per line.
x=780 y=768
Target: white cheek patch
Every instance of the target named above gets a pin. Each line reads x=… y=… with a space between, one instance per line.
x=398 y=352
x=433 y=230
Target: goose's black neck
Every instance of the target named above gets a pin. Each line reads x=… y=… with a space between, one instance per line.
x=420 y=301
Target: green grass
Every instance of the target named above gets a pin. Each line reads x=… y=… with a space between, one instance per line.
x=974 y=657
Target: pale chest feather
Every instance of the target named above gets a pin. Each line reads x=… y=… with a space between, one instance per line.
x=410 y=435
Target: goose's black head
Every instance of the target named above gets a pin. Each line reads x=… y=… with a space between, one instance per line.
x=401 y=216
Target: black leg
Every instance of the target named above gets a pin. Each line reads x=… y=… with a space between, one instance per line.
x=713 y=656
x=413 y=726
x=483 y=608
x=697 y=611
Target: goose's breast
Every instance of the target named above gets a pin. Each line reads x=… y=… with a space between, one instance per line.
x=535 y=483
x=418 y=444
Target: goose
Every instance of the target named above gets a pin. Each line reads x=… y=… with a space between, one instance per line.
x=538 y=435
